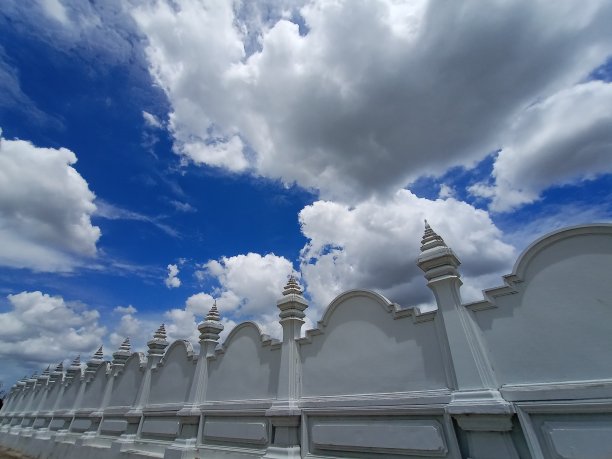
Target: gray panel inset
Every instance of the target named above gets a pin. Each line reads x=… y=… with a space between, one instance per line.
x=399 y=437
x=57 y=424
x=588 y=440
x=80 y=425
x=254 y=432
x=38 y=423
x=161 y=427
x=114 y=426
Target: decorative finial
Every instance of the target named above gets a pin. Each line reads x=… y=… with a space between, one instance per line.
x=211 y=327
x=213 y=314
x=123 y=353
x=158 y=344
x=125 y=346
x=32 y=379
x=161 y=332
x=96 y=360
x=431 y=239
x=437 y=260
x=292 y=304
x=44 y=376
x=292 y=287
x=99 y=355
x=58 y=373
x=74 y=369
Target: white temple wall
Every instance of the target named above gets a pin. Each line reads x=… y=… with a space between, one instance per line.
x=127 y=382
x=362 y=347
x=524 y=374
x=94 y=389
x=552 y=330
x=171 y=378
x=246 y=368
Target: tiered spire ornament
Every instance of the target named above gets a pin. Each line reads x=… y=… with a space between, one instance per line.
x=96 y=360
x=293 y=304
x=158 y=344
x=211 y=327
x=31 y=381
x=45 y=375
x=58 y=373
x=74 y=369
x=123 y=353
x=437 y=260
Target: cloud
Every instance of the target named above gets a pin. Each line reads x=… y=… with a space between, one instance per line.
x=374 y=245
x=183 y=206
x=54 y=9
x=183 y=322
x=133 y=325
x=39 y=329
x=84 y=29
x=45 y=209
x=249 y=286
x=110 y=211
x=561 y=140
x=125 y=309
x=253 y=282
x=151 y=120
x=15 y=100
x=422 y=87
x=172 y=281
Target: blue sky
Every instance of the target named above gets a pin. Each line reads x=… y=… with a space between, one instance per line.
x=156 y=155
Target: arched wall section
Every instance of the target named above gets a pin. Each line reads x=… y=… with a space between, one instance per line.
x=246 y=369
x=365 y=349
x=94 y=390
x=556 y=326
x=127 y=382
x=69 y=398
x=171 y=379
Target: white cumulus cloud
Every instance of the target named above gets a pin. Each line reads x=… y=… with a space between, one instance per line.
x=365 y=96
x=172 y=281
x=256 y=281
x=561 y=140
x=45 y=209
x=40 y=329
x=374 y=245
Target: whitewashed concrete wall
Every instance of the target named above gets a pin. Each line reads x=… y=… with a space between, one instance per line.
x=526 y=373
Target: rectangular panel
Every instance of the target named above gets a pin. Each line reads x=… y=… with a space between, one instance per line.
x=80 y=425
x=27 y=422
x=388 y=436
x=254 y=432
x=584 y=440
x=161 y=427
x=113 y=426
x=57 y=424
x=39 y=423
